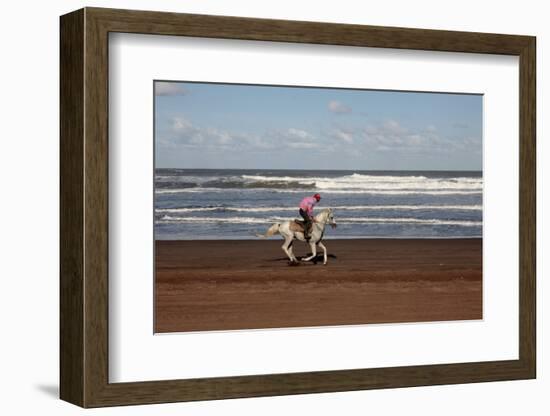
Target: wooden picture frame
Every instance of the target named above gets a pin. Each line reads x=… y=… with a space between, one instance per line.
x=84 y=207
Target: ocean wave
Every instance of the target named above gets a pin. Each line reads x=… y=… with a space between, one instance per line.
x=336 y=208
x=409 y=221
x=216 y=220
x=236 y=184
x=330 y=191
x=352 y=182
x=360 y=220
x=373 y=182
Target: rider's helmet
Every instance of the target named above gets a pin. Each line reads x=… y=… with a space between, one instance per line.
x=317 y=197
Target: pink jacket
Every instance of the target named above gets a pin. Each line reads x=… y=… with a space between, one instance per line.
x=307 y=205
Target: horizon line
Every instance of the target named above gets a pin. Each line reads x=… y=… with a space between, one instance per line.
x=345 y=170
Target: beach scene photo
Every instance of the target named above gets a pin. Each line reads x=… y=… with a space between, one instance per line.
x=291 y=206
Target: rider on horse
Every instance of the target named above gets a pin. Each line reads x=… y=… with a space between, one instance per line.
x=306 y=211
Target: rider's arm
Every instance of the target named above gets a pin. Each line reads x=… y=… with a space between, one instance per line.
x=310 y=212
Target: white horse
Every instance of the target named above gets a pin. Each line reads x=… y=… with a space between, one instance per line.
x=290 y=230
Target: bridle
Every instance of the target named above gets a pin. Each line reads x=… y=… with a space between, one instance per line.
x=326 y=221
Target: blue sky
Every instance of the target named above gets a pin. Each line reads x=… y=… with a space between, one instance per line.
x=204 y=125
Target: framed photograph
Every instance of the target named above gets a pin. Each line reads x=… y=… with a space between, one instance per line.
x=255 y=207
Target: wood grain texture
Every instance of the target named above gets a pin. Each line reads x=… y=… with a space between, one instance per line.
x=527 y=208
x=96 y=213
x=226 y=27
x=84 y=206
x=71 y=208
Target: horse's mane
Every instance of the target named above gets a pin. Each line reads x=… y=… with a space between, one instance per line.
x=325 y=211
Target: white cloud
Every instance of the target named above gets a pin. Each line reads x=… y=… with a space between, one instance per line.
x=338 y=108
x=392 y=136
x=299 y=134
x=169 y=88
x=292 y=137
x=345 y=136
x=302 y=145
x=416 y=140
x=181 y=125
x=431 y=128
x=393 y=127
x=184 y=133
x=384 y=137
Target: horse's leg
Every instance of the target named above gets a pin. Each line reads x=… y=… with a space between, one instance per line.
x=324 y=252
x=313 y=252
x=291 y=251
x=286 y=245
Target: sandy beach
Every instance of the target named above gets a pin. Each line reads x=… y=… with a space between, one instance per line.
x=225 y=285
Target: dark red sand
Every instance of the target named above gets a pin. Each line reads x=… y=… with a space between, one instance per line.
x=223 y=285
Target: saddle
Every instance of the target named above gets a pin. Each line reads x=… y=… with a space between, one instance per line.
x=297 y=226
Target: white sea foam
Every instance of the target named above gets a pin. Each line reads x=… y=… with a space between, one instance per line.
x=201 y=209
x=330 y=191
x=338 y=208
x=184 y=190
x=358 y=181
x=409 y=221
x=216 y=220
x=360 y=220
x=345 y=183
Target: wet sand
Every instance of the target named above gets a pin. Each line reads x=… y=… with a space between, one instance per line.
x=224 y=285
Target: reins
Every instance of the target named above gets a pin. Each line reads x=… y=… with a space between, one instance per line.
x=326 y=219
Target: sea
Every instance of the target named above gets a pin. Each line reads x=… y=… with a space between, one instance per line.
x=194 y=204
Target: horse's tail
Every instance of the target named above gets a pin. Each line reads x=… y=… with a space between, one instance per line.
x=274 y=229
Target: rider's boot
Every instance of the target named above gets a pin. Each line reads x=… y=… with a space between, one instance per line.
x=306 y=231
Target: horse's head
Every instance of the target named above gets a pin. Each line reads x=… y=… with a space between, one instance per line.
x=330 y=218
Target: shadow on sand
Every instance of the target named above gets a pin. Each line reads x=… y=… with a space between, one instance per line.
x=318 y=259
